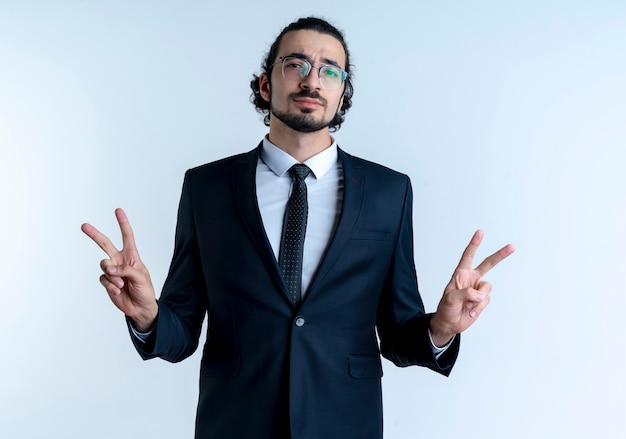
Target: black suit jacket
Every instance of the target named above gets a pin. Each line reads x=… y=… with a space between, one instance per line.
x=269 y=369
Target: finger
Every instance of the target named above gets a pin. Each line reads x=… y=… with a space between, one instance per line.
x=128 y=238
x=478 y=308
x=478 y=299
x=110 y=287
x=473 y=295
x=468 y=254
x=484 y=288
x=112 y=272
x=494 y=259
x=99 y=238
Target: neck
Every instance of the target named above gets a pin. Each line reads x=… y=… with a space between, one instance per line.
x=301 y=146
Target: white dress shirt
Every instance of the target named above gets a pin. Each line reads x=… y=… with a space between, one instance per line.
x=324 y=196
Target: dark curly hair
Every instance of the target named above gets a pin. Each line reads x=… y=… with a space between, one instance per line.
x=308 y=23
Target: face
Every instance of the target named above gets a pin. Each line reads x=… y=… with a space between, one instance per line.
x=303 y=104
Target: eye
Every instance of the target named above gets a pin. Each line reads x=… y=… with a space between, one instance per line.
x=294 y=63
x=331 y=72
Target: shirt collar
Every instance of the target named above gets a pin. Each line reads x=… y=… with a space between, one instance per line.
x=279 y=161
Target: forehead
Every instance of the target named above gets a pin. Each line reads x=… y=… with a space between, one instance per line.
x=315 y=45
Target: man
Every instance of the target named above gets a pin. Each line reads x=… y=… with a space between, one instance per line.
x=292 y=347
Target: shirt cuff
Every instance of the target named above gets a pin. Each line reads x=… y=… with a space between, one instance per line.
x=437 y=351
x=144 y=336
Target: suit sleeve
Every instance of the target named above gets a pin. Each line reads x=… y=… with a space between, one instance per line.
x=401 y=321
x=182 y=305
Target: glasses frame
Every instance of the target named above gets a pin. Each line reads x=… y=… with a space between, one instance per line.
x=344 y=74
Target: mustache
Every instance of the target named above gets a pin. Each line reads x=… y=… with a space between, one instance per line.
x=311 y=94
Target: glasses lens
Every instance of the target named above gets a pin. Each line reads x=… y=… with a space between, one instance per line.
x=331 y=77
x=295 y=68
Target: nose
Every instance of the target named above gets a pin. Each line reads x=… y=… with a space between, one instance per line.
x=312 y=80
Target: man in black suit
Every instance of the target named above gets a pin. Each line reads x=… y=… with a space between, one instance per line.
x=293 y=352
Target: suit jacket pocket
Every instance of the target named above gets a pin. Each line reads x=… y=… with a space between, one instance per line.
x=365 y=366
x=220 y=366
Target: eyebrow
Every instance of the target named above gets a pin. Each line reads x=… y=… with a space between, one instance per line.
x=324 y=60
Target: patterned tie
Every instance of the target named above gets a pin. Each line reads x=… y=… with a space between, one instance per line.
x=294 y=228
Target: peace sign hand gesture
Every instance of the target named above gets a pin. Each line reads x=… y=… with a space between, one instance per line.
x=467 y=294
x=125 y=278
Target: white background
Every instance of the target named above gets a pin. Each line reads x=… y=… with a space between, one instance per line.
x=507 y=116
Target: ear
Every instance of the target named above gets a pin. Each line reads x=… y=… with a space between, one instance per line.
x=264 y=87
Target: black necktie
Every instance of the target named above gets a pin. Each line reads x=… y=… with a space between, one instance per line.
x=294 y=228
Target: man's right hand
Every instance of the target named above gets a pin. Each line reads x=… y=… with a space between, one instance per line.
x=125 y=278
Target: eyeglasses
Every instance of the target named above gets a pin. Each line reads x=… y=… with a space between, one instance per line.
x=295 y=69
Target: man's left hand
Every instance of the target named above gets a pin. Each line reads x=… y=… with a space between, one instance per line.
x=467 y=294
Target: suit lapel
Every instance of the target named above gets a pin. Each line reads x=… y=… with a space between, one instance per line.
x=243 y=178
x=353 y=185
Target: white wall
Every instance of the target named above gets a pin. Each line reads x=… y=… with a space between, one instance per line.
x=510 y=118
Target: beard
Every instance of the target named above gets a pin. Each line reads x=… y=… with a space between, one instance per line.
x=303 y=122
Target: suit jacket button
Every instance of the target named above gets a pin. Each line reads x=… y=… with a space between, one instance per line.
x=300 y=321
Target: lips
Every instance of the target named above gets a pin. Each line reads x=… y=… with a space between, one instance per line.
x=308 y=99
x=308 y=102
